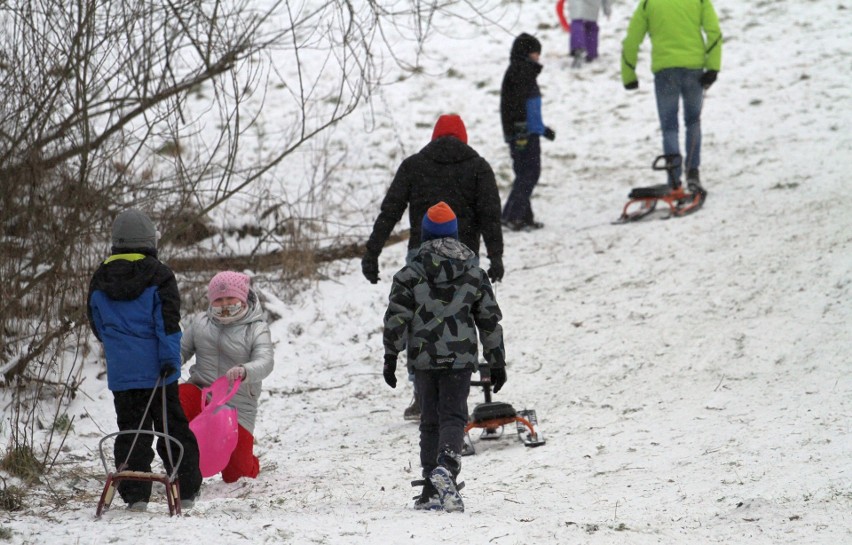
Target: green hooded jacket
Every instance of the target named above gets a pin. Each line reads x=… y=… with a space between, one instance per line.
x=677 y=41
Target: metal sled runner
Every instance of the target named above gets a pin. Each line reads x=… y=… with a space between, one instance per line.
x=642 y=201
x=122 y=474
x=114 y=477
x=492 y=416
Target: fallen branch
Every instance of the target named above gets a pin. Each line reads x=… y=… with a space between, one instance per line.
x=274 y=259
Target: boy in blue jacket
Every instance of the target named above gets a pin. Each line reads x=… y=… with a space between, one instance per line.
x=134 y=310
x=520 y=115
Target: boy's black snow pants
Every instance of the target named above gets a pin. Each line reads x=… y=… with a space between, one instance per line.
x=443 y=413
x=129 y=408
x=526 y=162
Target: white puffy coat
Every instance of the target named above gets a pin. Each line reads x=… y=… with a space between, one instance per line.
x=219 y=347
x=588 y=10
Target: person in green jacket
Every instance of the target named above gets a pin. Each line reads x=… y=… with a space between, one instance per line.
x=686 y=56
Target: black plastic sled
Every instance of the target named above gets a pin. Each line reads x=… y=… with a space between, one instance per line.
x=642 y=201
x=492 y=416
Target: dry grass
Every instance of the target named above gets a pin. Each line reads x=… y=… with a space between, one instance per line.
x=21 y=462
x=11 y=498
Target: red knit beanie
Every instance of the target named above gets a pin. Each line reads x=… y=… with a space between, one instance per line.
x=450 y=125
x=229 y=284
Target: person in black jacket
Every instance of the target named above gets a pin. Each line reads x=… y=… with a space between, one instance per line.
x=134 y=310
x=520 y=114
x=448 y=170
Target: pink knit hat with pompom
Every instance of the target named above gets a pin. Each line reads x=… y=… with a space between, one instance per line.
x=229 y=284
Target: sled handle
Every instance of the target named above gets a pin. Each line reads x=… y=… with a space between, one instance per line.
x=218 y=387
x=486 y=388
x=667 y=162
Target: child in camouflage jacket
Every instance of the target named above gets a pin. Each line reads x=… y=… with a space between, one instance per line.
x=439 y=302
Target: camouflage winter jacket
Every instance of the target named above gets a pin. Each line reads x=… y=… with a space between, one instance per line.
x=437 y=303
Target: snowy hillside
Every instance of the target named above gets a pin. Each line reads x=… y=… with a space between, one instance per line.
x=693 y=376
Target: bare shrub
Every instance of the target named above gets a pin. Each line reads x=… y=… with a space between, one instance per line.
x=157 y=105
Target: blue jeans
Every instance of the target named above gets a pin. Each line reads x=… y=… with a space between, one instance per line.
x=670 y=85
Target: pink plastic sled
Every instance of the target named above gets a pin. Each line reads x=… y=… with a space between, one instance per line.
x=215 y=428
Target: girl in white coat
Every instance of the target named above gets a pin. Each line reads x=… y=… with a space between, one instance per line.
x=232 y=339
x=584 y=28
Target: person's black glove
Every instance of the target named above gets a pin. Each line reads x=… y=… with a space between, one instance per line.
x=632 y=86
x=167 y=371
x=498 y=378
x=708 y=78
x=495 y=270
x=370 y=267
x=549 y=133
x=389 y=370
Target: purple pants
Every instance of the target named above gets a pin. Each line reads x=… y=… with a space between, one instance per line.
x=584 y=35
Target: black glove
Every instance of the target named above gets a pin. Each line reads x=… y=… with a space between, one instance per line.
x=389 y=370
x=498 y=378
x=495 y=270
x=708 y=77
x=370 y=267
x=632 y=86
x=167 y=371
x=549 y=133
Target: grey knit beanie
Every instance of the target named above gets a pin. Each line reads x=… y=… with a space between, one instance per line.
x=133 y=229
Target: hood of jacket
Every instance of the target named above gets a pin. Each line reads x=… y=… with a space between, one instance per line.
x=442 y=260
x=523 y=46
x=125 y=276
x=448 y=150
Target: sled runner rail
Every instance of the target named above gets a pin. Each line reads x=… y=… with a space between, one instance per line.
x=493 y=416
x=498 y=422
x=115 y=477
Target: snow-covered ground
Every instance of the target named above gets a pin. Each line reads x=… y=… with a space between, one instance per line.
x=693 y=376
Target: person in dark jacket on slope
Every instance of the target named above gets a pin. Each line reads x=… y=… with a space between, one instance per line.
x=134 y=310
x=441 y=303
x=447 y=169
x=520 y=114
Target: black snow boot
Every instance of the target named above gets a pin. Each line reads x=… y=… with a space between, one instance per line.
x=428 y=499
x=444 y=477
x=693 y=182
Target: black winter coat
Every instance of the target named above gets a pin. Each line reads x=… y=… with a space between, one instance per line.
x=519 y=85
x=446 y=170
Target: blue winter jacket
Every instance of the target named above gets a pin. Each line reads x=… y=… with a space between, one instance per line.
x=535 y=125
x=134 y=310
